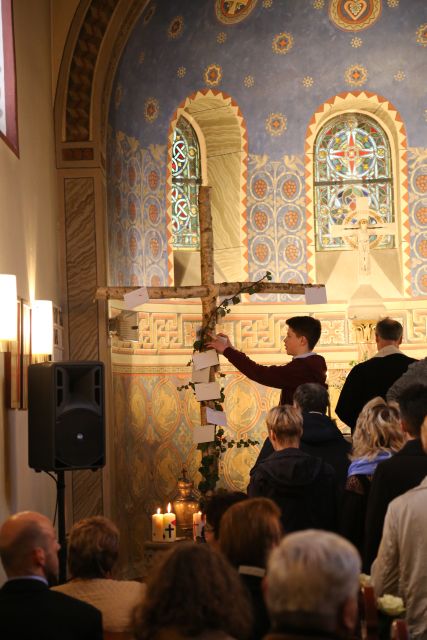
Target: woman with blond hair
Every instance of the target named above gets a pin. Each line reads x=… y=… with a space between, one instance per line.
x=303 y=486
x=377 y=436
x=93 y=550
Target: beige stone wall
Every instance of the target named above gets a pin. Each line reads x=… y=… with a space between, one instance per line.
x=28 y=238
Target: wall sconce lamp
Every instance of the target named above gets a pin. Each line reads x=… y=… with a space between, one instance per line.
x=42 y=327
x=8 y=315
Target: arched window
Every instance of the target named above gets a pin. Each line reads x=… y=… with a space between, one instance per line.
x=186 y=178
x=351 y=158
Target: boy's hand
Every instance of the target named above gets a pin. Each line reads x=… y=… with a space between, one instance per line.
x=220 y=342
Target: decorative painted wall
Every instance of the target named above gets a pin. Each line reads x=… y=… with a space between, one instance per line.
x=284 y=64
x=279 y=61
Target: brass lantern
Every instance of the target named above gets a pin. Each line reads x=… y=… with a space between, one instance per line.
x=184 y=505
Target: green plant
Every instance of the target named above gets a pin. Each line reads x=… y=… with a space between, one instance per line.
x=211 y=451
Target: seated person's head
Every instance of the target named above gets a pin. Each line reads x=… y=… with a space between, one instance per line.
x=311 y=397
x=93 y=548
x=377 y=430
x=312 y=583
x=216 y=505
x=306 y=328
x=191 y=590
x=413 y=408
x=28 y=546
x=249 y=531
x=284 y=424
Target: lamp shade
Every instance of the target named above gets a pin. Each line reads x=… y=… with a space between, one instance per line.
x=42 y=327
x=8 y=315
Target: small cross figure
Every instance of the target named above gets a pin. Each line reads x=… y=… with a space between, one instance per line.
x=169 y=529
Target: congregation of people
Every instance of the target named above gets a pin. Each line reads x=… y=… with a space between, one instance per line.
x=281 y=561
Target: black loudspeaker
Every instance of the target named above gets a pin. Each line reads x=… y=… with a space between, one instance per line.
x=66 y=426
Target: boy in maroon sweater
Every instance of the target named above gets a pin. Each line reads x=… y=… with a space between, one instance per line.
x=305 y=366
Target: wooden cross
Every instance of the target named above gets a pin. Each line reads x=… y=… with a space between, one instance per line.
x=208 y=291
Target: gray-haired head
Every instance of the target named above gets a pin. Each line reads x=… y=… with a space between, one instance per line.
x=310 y=576
x=312 y=396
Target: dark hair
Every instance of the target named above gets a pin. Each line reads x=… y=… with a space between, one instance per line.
x=93 y=547
x=312 y=396
x=306 y=326
x=389 y=329
x=413 y=407
x=249 y=531
x=193 y=589
x=217 y=505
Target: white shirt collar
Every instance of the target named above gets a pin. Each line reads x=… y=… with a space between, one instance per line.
x=304 y=355
x=387 y=351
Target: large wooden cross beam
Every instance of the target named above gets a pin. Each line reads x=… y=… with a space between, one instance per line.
x=208 y=291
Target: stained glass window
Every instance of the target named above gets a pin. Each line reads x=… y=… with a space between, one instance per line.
x=351 y=159
x=185 y=187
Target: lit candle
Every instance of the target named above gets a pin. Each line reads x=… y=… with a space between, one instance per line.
x=198 y=525
x=157 y=526
x=169 y=525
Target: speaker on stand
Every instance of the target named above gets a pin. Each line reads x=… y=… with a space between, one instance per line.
x=66 y=425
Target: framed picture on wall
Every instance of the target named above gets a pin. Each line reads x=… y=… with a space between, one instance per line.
x=8 y=103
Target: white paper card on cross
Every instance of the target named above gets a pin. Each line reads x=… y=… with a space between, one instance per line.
x=205 y=433
x=200 y=375
x=315 y=295
x=216 y=417
x=136 y=298
x=208 y=391
x=205 y=359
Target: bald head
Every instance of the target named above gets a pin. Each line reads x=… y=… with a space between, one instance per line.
x=28 y=546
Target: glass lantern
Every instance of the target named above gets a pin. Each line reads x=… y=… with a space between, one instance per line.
x=184 y=506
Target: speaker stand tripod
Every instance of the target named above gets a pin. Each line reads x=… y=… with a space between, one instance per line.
x=62 y=539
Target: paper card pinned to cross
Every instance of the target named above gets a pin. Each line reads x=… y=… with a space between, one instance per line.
x=207 y=391
x=216 y=417
x=315 y=295
x=136 y=298
x=201 y=375
x=205 y=433
x=205 y=359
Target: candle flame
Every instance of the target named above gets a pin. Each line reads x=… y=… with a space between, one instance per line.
x=169 y=507
x=158 y=510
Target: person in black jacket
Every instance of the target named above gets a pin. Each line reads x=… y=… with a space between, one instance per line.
x=304 y=487
x=404 y=471
x=320 y=435
x=28 y=609
x=374 y=377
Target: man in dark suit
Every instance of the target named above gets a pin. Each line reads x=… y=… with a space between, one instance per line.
x=402 y=472
x=28 y=609
x=374 y=377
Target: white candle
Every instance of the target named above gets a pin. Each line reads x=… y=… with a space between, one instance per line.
x=169 y=525
x=198 y=525
x=157 y=526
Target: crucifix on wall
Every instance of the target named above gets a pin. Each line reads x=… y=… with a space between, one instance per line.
x=358 y=232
